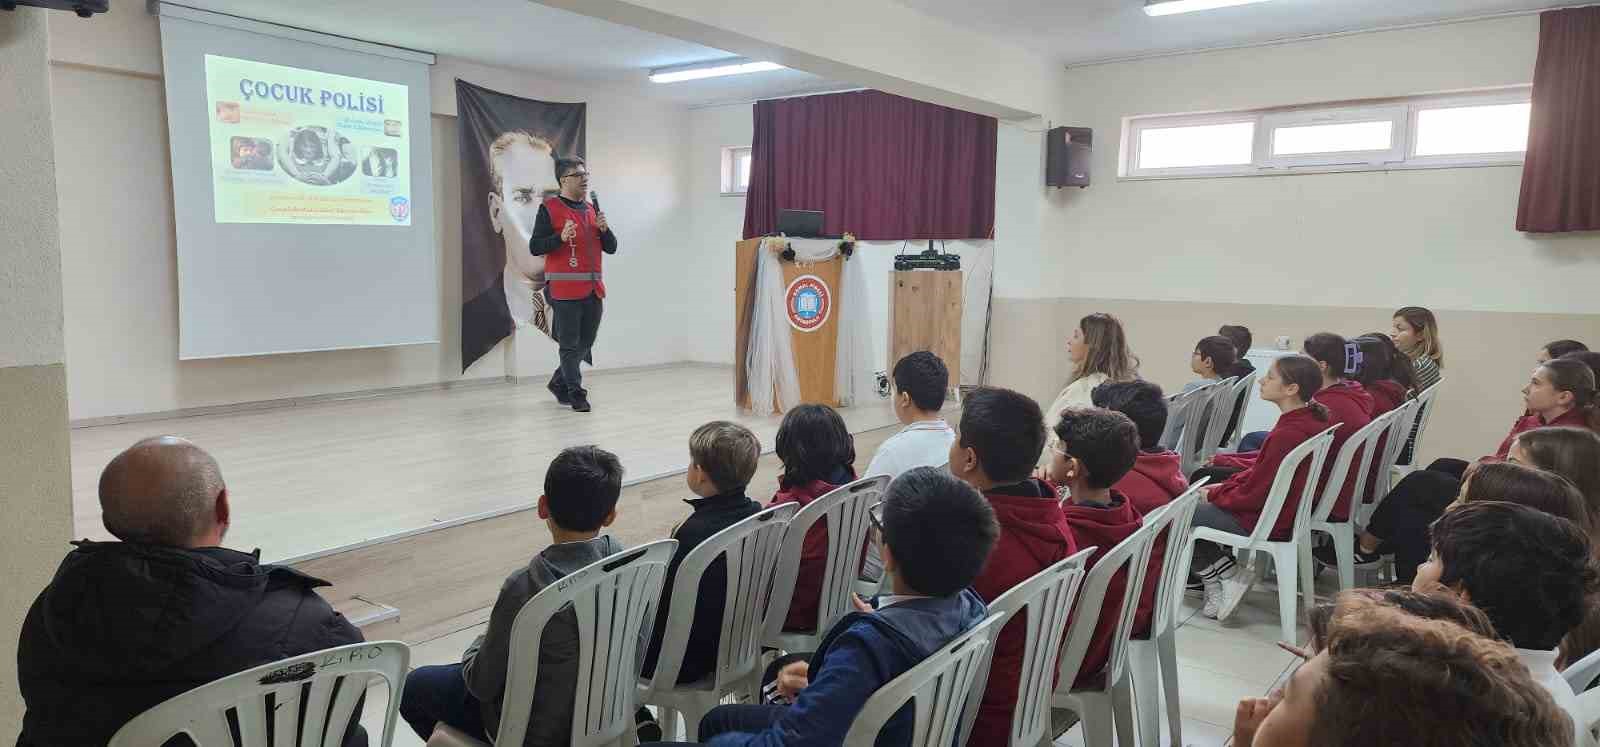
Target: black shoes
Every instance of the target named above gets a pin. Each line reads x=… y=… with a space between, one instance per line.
x=580 y=400
x=560 y=392
x=1327 y=556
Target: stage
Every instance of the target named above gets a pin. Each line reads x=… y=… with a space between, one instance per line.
x=308 y=480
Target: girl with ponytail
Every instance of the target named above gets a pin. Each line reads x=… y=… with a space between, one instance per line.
x=1561 y=392
x=1341 y=363
x=1235 y=504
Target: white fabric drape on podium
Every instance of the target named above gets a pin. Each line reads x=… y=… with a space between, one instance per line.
x=773 y=379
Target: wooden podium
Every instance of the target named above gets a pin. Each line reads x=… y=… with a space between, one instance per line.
x=812 y=294
x=925 y=310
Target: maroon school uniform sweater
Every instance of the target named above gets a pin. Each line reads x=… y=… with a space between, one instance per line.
x=1155 y=480
x=1349 y=403
x=813 y=554
x=1103 y=528
x=1033 y=536
x=1574 y=418
x=1245 y=493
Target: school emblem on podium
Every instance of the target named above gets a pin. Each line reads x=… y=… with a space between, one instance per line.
x=808 y=303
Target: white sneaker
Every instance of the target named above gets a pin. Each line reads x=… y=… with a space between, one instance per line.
x=1234 y=586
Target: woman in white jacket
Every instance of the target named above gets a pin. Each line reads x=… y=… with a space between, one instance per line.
x=1099 y=353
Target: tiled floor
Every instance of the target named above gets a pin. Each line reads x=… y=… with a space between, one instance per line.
x=1217 y=666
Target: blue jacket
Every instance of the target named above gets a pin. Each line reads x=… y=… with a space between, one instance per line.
x=860 y=654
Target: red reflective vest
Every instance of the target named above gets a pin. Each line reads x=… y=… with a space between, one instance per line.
x=573 y=269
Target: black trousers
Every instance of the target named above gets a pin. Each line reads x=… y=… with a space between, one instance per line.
x=576 y=325
x=1412 y=505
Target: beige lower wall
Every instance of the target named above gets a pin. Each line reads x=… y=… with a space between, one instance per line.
x=1488 y=355
x=35 y=506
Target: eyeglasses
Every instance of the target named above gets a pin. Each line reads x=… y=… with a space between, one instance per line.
x=576 y=174
x=875 y=514
x=1059 y=450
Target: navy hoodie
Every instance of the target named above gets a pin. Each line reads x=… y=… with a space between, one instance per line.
x=860 y=654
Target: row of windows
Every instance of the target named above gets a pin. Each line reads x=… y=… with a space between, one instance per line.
x=1478 y=129
x=1464 y=130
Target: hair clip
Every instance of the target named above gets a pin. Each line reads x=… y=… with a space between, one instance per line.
x=1353 y=357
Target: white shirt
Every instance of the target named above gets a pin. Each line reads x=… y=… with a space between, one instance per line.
x=1542 y=664
x=925 y=443
x=1076 y=395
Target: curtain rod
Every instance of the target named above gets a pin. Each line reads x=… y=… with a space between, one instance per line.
x=747 y=102
x=1327 y=35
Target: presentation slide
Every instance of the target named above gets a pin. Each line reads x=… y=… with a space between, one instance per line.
x=305 y=147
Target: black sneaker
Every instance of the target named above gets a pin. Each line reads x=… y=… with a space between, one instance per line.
x=1327 y=556
x=580 y=400
x=646 y=727
x=560 y=392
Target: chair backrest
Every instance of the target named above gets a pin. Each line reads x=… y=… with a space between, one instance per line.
x=751 y=548
x=1045 y=601
x=324 y=685
x=1309 y=456
x=1131 y=555
x=1192 y=407
x=939 y=687
x=1395 y=442
x=1242 y=389
x=1582 y=673
x=614 y=600
x=1179 y=407
x=846 y=511
x=1209 y=433
x=1175 y=563
x=1420 y=417
x=1356 y=453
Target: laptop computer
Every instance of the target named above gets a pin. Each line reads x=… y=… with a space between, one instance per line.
x=806 y=224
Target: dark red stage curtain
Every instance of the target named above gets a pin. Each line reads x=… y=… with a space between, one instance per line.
x=1561 y=178
x=878 y=165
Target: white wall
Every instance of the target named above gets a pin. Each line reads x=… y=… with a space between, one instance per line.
x=118 y=250
x=1441 y=238
x=716 y=222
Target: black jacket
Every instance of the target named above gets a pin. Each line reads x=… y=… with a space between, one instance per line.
x=711 y=515
x=123 y=627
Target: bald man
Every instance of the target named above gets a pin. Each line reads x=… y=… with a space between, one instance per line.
x=126 y=625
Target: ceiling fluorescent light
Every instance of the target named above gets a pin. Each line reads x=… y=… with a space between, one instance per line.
x=1170 y=7
x=736 y=66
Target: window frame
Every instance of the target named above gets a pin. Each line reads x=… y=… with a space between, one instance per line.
x=1404 y=112
x=730 y=170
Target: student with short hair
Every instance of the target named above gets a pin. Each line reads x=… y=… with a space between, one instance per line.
x=1157 y=475
x=581 y=488
x=818 y=455
x=937 y=535
x=1530 y=572
x=1241 y=338
x=1099 y=352
x=920 y=383
x=1000 y=436
x=1558 y=349
x=1388 y=676
x=722 y=461
x=1235 y=503
x=1212 y=357
x=1096 y=448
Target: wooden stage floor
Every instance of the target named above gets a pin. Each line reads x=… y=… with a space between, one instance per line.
x=312 y=479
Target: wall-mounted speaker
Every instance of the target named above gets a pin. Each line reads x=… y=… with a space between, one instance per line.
x=1067 y=156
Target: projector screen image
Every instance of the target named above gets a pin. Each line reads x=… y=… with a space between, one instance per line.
x=304 y=147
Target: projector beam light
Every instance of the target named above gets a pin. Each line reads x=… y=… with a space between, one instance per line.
x=710 y=70
x=1172 y=7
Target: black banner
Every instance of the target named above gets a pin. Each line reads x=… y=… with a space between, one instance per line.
x=508 y=150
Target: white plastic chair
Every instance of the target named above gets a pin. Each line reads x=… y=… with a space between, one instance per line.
x=937 y=687
x=751 y=548
x=1394 y=442
x=1155 y=659
x=1189 y=407
x=1356 y=453
x=1582 y=673
x=1214 y=414
x=1111 y=701
x=1046 y=599
x=1418 y=426
x=615 y=600
x=1285 y=554
x=845 y=511
x=1243 y=388
x=325 y=684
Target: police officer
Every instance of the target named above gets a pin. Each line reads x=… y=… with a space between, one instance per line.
x=572 y=235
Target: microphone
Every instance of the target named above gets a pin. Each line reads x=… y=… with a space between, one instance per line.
x=594 y=199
